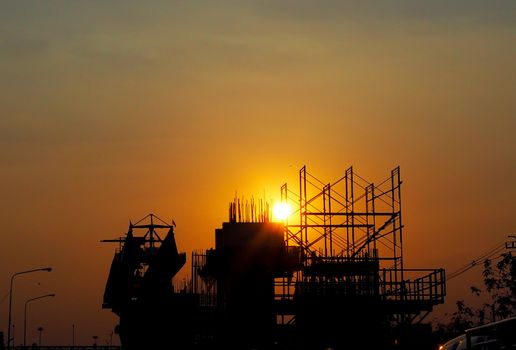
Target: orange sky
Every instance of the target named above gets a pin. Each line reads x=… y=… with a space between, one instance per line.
x=111 y=110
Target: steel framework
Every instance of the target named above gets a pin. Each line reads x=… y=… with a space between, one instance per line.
x=349 y=237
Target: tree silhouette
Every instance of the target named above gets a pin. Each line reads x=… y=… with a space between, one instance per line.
x=499 y=294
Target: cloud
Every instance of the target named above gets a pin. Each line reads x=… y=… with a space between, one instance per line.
x=19 y=47
x=112 y=57
x=496 y=11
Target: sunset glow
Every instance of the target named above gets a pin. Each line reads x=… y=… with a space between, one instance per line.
x=111 y=110
x=281 y=211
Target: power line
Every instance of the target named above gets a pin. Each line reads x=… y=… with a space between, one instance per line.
x=484 y=256
x=474 y=263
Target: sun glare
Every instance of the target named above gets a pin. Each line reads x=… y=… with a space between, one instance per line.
x=281 y=211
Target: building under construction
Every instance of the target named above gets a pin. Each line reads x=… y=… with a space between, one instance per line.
x=330 y=275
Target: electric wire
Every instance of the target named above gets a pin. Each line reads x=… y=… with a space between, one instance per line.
x=483 y=257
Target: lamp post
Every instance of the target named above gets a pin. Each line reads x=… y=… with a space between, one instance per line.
x=25 y=315
x=48 y=269
x=40 y=330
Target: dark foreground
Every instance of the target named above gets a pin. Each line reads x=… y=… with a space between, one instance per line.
x=67 y=347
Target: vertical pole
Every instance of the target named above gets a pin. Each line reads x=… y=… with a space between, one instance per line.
x=239 y=211
x=394 y=227
x=373 y=210
x=324 y=223
x=352 y=183
x=400 y=224
x=346 y=207
x=9 y=333
x=302 y=178
x=25 y=325
x=331 y=227
x=151 y=231
x=369 y=194
x=305 y=204
x=25 y=315
x=10 y=308
x=192 y=282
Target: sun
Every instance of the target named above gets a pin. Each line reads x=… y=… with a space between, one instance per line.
x=281 y=211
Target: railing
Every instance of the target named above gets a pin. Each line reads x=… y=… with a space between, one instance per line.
x=388 y=286
x=207 y=299
x=430 y=287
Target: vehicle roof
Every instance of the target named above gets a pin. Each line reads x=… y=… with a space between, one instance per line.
x=489 y=325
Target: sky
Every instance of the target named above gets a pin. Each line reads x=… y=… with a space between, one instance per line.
x=110 y=110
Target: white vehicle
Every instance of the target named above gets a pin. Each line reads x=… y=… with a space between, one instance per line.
x=459 y=343
x=499 y=335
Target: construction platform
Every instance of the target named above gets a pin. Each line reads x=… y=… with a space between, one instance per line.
x=330 y=275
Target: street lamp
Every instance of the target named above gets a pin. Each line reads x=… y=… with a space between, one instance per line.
x=73 y=335
x=25 y=315
x=40 y=330
x=95 y=337
x=48 y=269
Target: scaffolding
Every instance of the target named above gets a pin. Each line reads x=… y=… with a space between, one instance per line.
x=349 y=234
x=202 y=284
x=332 y=272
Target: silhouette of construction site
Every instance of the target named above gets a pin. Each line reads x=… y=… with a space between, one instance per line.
x=331 y=275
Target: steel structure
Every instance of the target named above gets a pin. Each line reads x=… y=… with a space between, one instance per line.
x=332 y=275
x=139 y=288
x=349 y=236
